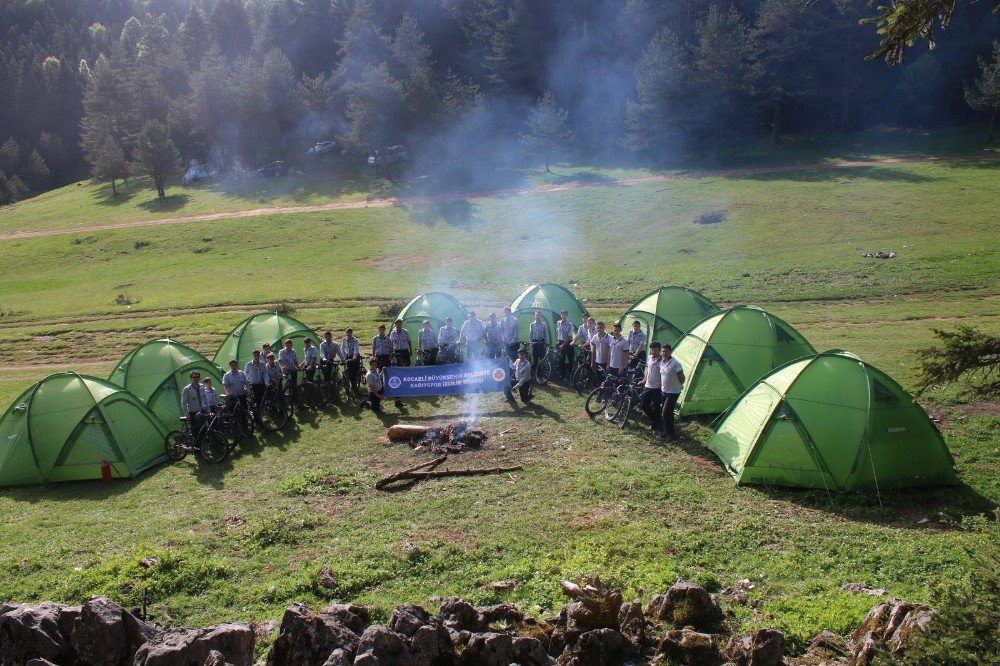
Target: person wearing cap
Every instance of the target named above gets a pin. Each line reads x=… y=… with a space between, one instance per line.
x=427 y=342
x=649 y=402
x=350 y=349
x=310 y=359
x=538 y=334
x=521 y=378
x=493 y=337
x=617 y=351
x=399 y=341
x=382 y=348
x=235 y=383
x=373 y=380
x=636 y=345
x=193 y=401
x=288 y=360
x=472 y=335
x=564 y=343
x=671 y=383
x=510 y=334
x=447 y=339
x=600 y=345
x=256 y=373
x=329 y=352
x=211 y=395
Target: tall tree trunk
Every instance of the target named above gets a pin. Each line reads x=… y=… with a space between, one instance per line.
x=114 y=190
x=158 y=178
x=776 y=124
x=993 y=122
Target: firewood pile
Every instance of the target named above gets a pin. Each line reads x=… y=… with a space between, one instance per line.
x=454 y=437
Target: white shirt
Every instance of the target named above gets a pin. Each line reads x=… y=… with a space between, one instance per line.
x=564 y=330
x=669 y=381
x=374 y=381
x=211 y=397
x=351 y=348
x=509 y=329
x=522 y=371
x=400 y=340
x=618 y=349
x=539 y=332
x=381 y=345
x=256 y=373
x=193 y=399
x=311 y=356
x=583 y=334
x=653 y=373
x=235 y=382
x=601 y=345
x=288 y=360
x=448 y=335
x=272 y=373
x=427 y=339
x=472 y=330
x=636 y=341
x=329 y=351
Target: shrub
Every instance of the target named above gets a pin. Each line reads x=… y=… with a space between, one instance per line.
x=712 y=217
x=392 y=308
x=141 y=244
x=125 y=299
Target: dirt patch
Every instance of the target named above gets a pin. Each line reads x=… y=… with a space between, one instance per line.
x=943 y=416
x=394 y=261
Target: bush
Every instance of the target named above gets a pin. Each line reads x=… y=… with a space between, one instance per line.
x=141 y=244
x=125 y=299
x=713 y=217
x=391 y=309
x=283 y=308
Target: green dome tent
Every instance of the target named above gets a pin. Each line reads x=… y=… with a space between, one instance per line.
x=157 y=371
x=549 y=299
x=831 y=421
x=668 y=313
x=728 y=351
x=433 y=306
x=264 y=328
x=65 y=426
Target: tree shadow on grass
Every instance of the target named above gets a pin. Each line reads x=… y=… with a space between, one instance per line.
x=103 y=196
x=582 y=178
x=885 y=174
x=457 y=213
x=168 y=204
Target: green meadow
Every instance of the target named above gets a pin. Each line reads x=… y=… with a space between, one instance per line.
x=294 y=516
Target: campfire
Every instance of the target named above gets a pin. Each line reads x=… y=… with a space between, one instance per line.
x=454 y=437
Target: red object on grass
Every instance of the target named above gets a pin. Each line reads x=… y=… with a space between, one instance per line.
x=105 y=472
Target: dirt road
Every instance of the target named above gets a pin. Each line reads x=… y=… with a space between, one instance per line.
x=459 y=196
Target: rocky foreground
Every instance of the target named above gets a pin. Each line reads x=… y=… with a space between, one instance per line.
x=682 y=626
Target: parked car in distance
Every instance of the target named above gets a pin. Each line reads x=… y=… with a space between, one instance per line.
x=391 y=155
x=273 y=169
x=322 y=148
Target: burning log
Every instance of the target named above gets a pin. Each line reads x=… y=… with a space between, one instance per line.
x=453 y=437
x=401 y=432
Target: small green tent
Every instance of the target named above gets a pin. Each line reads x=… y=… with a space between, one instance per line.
x=831 y=421
x=726 y=352
x=260 y=329
x=431 y=306
x=157 y=371
x=668 y=313
x=65 y=426
x=549 y=299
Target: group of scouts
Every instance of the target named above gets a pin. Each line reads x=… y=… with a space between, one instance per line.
x=494 y=338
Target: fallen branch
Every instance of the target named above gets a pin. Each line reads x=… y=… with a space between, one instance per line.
x=414 y=474
x=398 y=476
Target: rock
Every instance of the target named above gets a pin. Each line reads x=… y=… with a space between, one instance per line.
x=865 y=650
x=107 y=635
x=530 y=652
x=266 y=628
x=829 y=644
x=325 y=578
x=488 y=649
x=594 y=648
x=380 y=646
x=310 y=639
x=459 y=615
x=685 y=605
x=191 y=647
x=214 y=658
x=595 y=607
x=43 y=631
x=767 y=648
x=688 y=648
x=427 y=638
x=40 y=662
x=632 y=623
x=894 y=623
x=505 y=613
x=338 y=658
x=858 y=588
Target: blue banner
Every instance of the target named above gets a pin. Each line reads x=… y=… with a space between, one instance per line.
x=452 y=379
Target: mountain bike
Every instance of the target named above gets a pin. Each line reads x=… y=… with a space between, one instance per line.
x=584 y=376
x=330 y=389
x=208 y=442
x=236 y=419
x=424 y=357
x=273 y=413
x=310 y=394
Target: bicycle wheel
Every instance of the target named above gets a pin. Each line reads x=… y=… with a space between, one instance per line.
x=596 y=402
x=249 y=422
x=543 y=371
x=621 y=419
x=583 y=377
x=175 y=444
x=273 y=415
x=615 y=406
x=214 y=447
x=309 y=395
x=232 y=428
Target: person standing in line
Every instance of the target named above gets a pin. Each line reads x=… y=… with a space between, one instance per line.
x=211 y=395
x=538 y=334
x=193 y=402
x=649 y=403
x=274 y=374
x=671 y=383
x=265 y=351
x=587 y=330
x=427 y=343
x=600 y=344
x=350 y=349
x=256 y=372
x=636 y=345
x=373 y=380
x=402 y=350
x=235 y=384
x=310 y=359
x=447 y=339
x=472 y=335
x=288 y=361
x=382 y=348
x=565 y=334
x=510 y=334
x=329 y=352
x=493 y=337
x=618 y=351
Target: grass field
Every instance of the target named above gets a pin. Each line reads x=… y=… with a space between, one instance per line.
x=294 y=516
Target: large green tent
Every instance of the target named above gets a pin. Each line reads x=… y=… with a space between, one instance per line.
x=728 y=351
x=157 y=371
x=65 y=426
x=260 y=329
x=431 y=306
x=549 y=299
x=831 y=421
x=668 y=313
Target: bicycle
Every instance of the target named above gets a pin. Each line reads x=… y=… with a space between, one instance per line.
x=424 y=357
x=208 y=442
x=310 y=394
x=583 y=375
x=599 y=399
x=329 y=389
x=622 y=403
x=550 y=366
x=450 y=354
x=273 y=413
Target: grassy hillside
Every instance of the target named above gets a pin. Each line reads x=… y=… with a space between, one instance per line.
x=245 y=538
